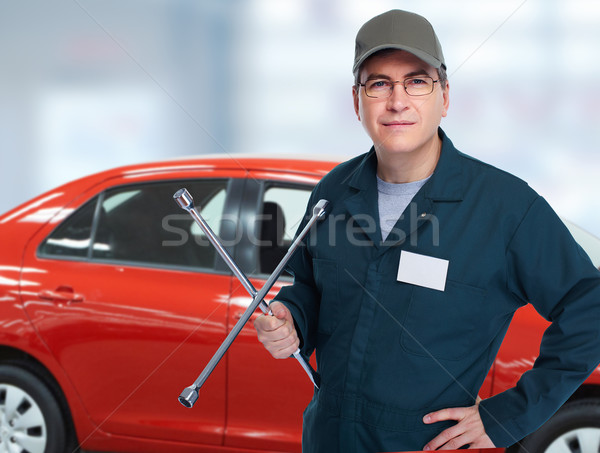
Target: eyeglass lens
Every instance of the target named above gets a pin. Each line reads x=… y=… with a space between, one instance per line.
x=414 y=86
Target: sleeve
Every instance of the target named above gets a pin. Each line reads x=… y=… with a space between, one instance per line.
x=302 y=298
x=547 y=268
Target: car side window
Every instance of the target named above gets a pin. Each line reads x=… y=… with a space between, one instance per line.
x=71 y=239
x=282 y=211
x=142 y=224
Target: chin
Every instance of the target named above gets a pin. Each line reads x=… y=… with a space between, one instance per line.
x=397 y=147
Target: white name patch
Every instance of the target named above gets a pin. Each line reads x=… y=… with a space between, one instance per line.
x=422 y=270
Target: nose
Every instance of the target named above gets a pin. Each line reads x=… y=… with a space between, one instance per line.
x=398 y=100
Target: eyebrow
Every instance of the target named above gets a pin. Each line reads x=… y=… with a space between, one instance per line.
x=419 y=72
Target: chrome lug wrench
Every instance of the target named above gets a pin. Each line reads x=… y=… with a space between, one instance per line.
x=189 y=395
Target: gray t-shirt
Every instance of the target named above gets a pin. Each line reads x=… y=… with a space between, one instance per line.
x=392 y=201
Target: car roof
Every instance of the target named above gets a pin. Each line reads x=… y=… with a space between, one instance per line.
x=266 y=156
x=311 y=165
x=314 y=164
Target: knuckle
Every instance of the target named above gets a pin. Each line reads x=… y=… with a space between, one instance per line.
x=258 y=324
x=290 y=331
x=287 y=343
x=434 y=444
x=282 y=355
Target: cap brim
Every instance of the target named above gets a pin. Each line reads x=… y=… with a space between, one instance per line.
x=416 y=52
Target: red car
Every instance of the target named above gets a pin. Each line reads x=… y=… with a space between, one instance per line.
x=112 y=301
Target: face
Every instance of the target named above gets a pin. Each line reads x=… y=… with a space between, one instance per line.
x=400 y=124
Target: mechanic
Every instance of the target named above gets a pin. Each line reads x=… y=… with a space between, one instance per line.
x=406 y=290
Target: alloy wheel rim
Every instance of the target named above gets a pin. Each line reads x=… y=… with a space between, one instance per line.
x=22 y=423
x=580 y=440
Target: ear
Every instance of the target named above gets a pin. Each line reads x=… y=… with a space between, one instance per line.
x=356 y=98
x=446 y=99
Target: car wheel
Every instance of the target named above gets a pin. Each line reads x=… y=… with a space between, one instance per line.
x=575 y=428
x=30 y=417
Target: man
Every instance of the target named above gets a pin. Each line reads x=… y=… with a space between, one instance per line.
x=407 y=288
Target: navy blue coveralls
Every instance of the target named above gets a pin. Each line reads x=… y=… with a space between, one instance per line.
x=389 y=352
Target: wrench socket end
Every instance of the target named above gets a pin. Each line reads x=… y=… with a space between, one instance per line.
x=320 y=208
x=183 y=198
x=188 y=397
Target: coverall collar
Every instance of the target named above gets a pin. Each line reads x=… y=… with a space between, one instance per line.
x=445 y=184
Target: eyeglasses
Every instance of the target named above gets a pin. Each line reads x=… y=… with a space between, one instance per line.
x=414 y=86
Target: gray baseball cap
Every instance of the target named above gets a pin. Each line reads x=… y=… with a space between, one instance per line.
x=402 y=30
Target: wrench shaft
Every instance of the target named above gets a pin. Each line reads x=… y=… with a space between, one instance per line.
x=214 y=240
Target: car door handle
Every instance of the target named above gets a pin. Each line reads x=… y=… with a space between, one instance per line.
x=61 y=294
x=239 y=314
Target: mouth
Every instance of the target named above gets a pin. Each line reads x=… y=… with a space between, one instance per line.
x=398 y=123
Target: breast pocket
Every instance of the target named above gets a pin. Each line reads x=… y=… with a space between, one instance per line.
x=326 y=278
x=445 y=324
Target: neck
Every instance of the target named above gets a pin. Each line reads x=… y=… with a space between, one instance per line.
x=409 y=167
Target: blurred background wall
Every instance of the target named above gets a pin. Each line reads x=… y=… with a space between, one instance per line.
x=86 y=85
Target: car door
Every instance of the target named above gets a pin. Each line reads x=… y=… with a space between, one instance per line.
x=132 y=301
x=266 y=397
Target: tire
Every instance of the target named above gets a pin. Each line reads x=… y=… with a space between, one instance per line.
x=30 y=416
x=575 y=428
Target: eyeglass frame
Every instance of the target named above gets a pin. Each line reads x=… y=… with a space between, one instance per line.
x=403 y=82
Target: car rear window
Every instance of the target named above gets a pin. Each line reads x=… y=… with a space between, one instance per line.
x=72 y=237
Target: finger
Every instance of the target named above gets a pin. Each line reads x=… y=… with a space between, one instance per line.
x=280 y=311
x=444 y=437
x=282 y=349
x=456 y=443
x=267 y=323
x=284 y=353
x=281 y=333
x=286 y=349
x=453 y=413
